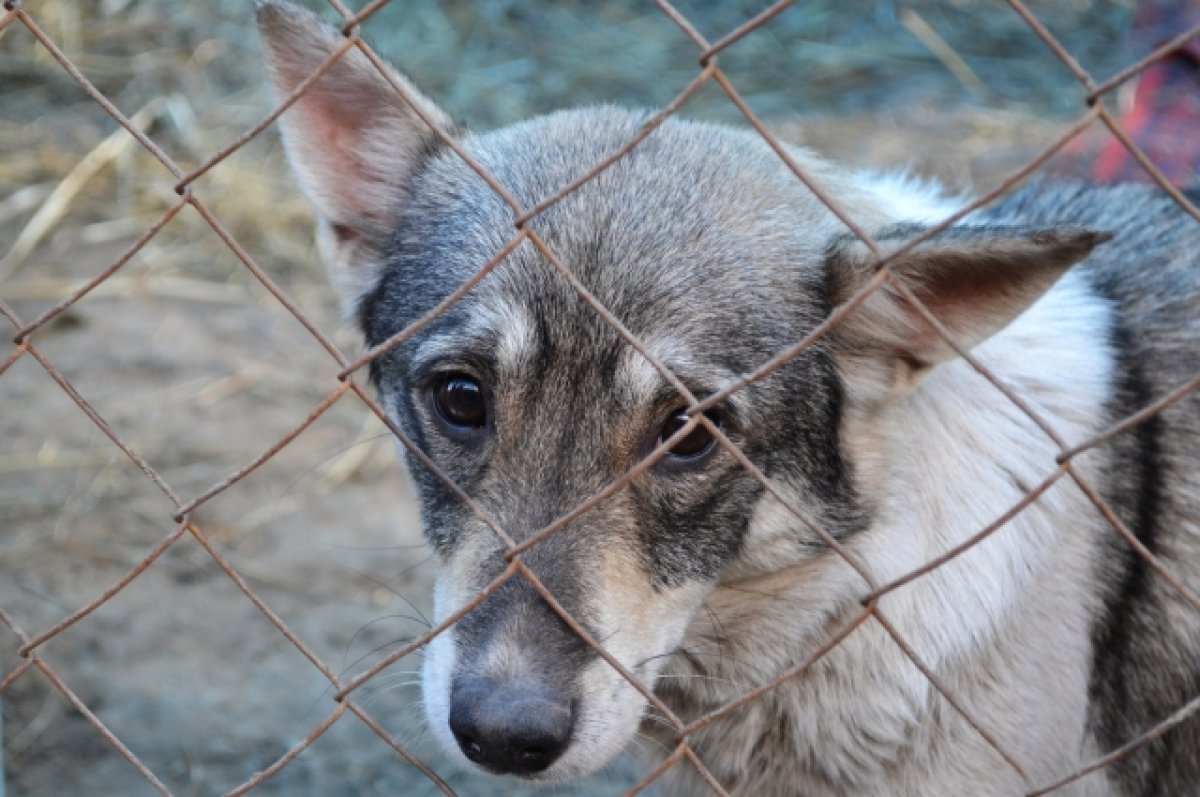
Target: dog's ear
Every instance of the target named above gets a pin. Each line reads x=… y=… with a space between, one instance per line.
x=352 y=138
x=974 y=281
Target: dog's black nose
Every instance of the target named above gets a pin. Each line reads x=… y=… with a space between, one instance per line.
x=514 y=728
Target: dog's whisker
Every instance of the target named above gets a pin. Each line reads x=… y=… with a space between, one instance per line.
x=420 y=616
x=363 y=629
x=379 y=649
x=375 y=684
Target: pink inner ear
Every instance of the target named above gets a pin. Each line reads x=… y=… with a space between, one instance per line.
x=972 y=303
x=957 y=314
x=970 y=295
x=352 y=137
x=332 y=134
x=337 y=135
x=343 y=233
x=956 y=304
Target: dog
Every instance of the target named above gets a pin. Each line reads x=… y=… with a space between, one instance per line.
x=700 y=579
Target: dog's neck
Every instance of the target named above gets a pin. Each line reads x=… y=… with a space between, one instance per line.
x=957 y=454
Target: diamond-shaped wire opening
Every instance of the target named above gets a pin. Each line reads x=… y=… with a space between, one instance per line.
x=66 y=491
x=184 y=727
x=34 y=663
x=42 y=729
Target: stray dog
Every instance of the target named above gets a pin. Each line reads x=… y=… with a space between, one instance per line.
x=1052 y=633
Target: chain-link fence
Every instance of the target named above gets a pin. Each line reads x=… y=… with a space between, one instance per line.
x=346 y=375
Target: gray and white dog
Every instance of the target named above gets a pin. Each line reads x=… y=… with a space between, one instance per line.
x=1052 y=633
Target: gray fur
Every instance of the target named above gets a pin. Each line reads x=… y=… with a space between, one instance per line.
x=1147 y=640
x=709 y=250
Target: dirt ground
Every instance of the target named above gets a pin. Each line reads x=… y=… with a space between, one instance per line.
x=200 y=370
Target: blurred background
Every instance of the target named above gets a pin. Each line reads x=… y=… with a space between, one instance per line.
x=194 y=364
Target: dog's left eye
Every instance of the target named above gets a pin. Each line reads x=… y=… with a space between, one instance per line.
x=459 y=402
x=697 y=444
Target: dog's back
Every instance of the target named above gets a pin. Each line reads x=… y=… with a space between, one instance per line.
x=1146 y=638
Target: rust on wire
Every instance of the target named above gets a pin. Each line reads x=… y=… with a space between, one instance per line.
x=828 y=539
x=401 y=750
x=432 y=466
x=260 y=778
x=120 y=584
x=790 y=162
x=96 y=94
x=760 y=19
x=32 y=659
x=450 y=141
x=650 y=777
x=362 y=16
x=10 y=314
x=648 y=127
x=1022 y=404
x=103 y=729
x=841 y=311
x=116 y=266
x=591 y=642
x=1162 y=52
x=615 y=323
x=423 y=640
x=261 y=605
x=1147 y=164
x=969 y=543
x=1138 y=546
x=684 y=24
x=614 y=487
x=948 y=694
x=287 y=102
x=266 y=281
x=462 y=290
x=91 y=413
x=1138 y=418
x=13 y=356
x=271 y=451
x=10 y=17
x=1055 y=46
x=1125 y=750
x=754 y=694
x=16 y=673
x=713 y=784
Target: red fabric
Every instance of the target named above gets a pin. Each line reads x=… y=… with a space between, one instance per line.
x=1164 y=116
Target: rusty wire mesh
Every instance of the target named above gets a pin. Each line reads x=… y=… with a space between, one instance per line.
x=345 y=375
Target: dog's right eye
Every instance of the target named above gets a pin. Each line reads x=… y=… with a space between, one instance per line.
x=460 y=403
x=696 y=445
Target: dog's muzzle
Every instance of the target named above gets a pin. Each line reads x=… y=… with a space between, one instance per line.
x=511 y=727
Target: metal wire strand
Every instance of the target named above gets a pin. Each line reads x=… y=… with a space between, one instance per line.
x=526 y=234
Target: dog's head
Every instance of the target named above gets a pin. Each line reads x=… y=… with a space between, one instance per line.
x=708 y=251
